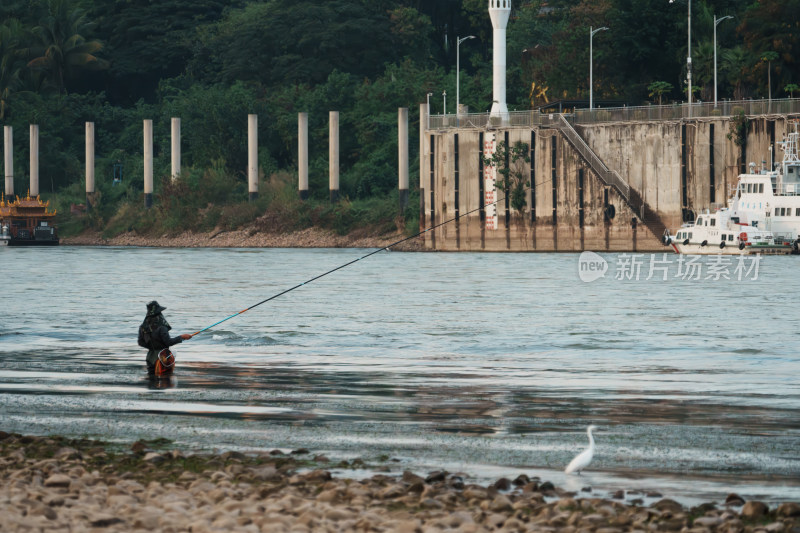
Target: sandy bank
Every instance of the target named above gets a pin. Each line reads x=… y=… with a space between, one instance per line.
x=55 y=484
x=247 y=238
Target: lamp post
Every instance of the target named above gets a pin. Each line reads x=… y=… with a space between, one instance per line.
x=458 y=70
x=717 y=21
x=429 y=110
x=591 y=74
x=444 y=103
x=689 y=59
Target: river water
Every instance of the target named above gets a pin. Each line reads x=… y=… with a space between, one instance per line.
x=486 y=364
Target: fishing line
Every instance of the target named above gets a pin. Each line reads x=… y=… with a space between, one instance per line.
x=357 y=260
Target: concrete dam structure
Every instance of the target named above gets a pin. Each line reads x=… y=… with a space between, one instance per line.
x=600 y=185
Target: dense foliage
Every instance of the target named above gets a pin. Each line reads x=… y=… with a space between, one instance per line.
x=211 y=62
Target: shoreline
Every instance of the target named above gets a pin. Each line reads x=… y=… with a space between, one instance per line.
x=248 y=238
x=55 y=483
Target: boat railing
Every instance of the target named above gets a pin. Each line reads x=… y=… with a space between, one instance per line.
x=786 y=189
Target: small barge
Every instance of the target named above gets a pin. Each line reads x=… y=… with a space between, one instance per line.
x=27 y=222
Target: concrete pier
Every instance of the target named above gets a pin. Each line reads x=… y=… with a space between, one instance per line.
x=252 y=156
x=176 y=148
x=672 y=167
x=148 y=163
x=333 y=155
x=402 y=156
x=302 y=154
x=34 y=160
x=8 y=137
x=89 y=165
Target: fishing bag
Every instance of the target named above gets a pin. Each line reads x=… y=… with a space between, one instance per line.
x=145 y=336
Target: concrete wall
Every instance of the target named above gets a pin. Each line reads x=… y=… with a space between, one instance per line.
x=650 y=156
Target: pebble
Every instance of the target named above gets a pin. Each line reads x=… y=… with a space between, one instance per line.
x=266 y=493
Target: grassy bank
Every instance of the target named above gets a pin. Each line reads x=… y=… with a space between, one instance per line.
x=214 y=200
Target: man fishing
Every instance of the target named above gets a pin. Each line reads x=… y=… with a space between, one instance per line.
x=154 y=335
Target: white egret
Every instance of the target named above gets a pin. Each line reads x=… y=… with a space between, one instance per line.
x=583 y=459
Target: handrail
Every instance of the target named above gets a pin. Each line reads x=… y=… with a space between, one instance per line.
x=527 y=119
x=609 y=177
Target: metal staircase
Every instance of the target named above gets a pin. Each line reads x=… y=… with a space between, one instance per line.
x=611 y=178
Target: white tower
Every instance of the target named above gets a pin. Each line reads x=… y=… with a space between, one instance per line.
x=499 y=11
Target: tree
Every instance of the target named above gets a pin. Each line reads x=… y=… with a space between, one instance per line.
x=769 y=57
x=296 y=41
x=62 y=50
x=149 y=41
x=9 y=64
x=791 y=89
x=735 y=63
x=514 y=180
x=772 y=26
x=659 y=88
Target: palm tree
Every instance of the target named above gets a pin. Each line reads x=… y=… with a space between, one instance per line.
x=735 y=62
x=63 y=50
x=9 y=63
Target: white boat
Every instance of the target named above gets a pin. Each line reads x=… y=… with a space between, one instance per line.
x=770 y=199
x=5 y=236
x=719 y=233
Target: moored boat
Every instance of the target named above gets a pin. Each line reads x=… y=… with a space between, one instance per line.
x=720 y=233
x=770 y=199
x=27 y=222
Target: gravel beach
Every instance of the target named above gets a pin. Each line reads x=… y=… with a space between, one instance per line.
x=58 y=484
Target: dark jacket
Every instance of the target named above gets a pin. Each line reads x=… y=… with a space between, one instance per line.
x=159 y=337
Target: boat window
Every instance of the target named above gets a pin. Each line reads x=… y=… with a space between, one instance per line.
x=761 y=188
x=713 y=222
x=749 y=187
x=730 y=237
x=699 y=222
x=797 y=212
x=690 y=234
x=776 y=211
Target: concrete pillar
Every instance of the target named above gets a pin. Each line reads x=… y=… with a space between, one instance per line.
x=252 y=156
x=402 y=155
x=89 y=165
x=8 y=136
x=176 y=148
x=302 y=154
x=34 y=160
x=148 y=163
x=333 y=155
x=423 y=123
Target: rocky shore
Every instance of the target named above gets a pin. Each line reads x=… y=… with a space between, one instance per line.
x=57 y=484
x=247 y=238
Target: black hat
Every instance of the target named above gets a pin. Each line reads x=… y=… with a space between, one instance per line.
x=153 y=308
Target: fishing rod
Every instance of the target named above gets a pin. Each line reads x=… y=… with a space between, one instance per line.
x=355 y=261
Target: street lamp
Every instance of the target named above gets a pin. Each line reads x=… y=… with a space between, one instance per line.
x=717 y=21
x=429 y=110
x=458 y=69
x=689 y=58
x=591 y=74
x=444 y=104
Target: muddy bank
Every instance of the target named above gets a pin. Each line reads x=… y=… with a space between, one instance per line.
x=248 y=238
x=57 y=484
